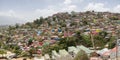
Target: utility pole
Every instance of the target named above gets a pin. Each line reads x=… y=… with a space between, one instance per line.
x=117 y=45
x=93 y=44
x=117 y=41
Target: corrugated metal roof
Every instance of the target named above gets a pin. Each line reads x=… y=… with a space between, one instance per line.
x=63 y=52
x=87 y=50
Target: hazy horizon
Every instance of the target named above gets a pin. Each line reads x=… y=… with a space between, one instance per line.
x=21 y=11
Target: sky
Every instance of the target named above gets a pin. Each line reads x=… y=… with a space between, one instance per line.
x=22 y=11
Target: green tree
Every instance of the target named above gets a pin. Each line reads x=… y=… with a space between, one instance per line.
x=32 y=51
x=114 y=18
x=73 y=24
x=81 y=55
x=39 y=21
x=63 y=24
x=78 y=37
x=17 y=26
x=68 y=41
x=86 y=40
x=16 y=49
x=103 y=34
x=99 y=41
x=11 y=28
x=112 y=42
x=2 y=51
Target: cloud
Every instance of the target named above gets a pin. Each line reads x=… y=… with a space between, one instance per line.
x=44 y=12
x=16 y=17
x=10 y=13
x=48 y=10
x=11 y=17
x=70 y=8
x=101 y=7
x=96 y=7
x=66 y=6
x=116 y=9
x=7 y=20
x=67 y=2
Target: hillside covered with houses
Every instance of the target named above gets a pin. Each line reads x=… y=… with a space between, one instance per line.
x=64 y=36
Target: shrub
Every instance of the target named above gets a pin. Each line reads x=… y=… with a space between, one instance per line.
x=81 y=55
